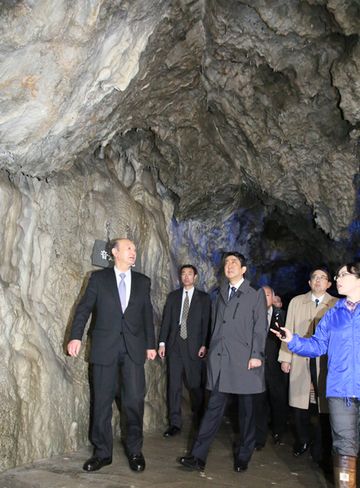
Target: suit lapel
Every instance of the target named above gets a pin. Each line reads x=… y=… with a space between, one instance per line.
x=134 y=289
x=224 y=291
x=178 y=302
x=194 y=300
x=113 y=285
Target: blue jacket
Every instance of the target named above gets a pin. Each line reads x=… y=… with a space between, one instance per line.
x=338 y=335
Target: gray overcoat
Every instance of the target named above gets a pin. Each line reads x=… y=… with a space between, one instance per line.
x=239 y=330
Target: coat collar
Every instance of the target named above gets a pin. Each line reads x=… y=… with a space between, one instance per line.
x=327 y=300
x=224 y=289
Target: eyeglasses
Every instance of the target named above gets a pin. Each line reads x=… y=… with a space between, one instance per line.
x=319 y=277
x=342 y=275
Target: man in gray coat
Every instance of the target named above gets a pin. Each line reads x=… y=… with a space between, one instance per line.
x=235 y=362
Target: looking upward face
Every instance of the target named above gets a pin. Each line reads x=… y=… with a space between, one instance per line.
x=233 y=269
x=319 y=282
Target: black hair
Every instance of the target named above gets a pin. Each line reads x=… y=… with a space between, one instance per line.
x=352 y=268
x=238 y=255
x=188 y=266
x=321 y=268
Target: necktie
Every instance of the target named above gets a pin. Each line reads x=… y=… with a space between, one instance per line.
x=317 y=301
x=232 y=292
x=184 y=316
x=122 y=291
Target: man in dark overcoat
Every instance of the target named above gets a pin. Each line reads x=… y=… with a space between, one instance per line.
x=235 y=362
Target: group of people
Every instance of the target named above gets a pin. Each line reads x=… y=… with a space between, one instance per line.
x=248 y=353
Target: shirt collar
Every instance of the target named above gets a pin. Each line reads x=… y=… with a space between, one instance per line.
x=236 y=285
x=190 y=292
x=127 y=273
x=320 y=299
x=351 y=305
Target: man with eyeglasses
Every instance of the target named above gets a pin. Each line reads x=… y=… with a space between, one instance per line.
x=307 y=377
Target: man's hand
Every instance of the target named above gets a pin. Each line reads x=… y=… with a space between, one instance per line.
x=254 y=363
x=202 y=352
x=285 y=367
x=161 y=352
x=73 y=348
x=151 y=354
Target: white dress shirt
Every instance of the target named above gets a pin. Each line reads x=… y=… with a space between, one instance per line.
x=190 y=295
x=236 y=285
x=319 y=299
x=127 y=280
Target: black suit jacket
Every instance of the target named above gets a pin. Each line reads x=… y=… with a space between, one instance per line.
x=198 y=321
x=102 y=298
x=273 y=344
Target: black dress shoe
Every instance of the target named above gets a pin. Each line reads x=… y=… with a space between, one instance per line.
x=276 y=438
x=95 y=463
x=299 y=449
x=240 y=466
x=136 y=462
x=171 y=431
x=192 y=462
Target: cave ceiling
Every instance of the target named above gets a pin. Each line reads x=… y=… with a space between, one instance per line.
x=231 y=103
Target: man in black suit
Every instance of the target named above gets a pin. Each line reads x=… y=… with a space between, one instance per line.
x=122 y=337
x=235 y=363
x=182 y=339
x=275 y=399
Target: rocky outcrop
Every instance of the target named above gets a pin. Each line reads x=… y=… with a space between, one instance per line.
x=192 y=126
x=50 y=230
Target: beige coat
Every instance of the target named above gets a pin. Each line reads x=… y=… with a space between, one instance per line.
x=302 y=318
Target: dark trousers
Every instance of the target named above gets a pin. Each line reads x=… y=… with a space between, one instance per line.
x=105 y=381
x=182 y=369
x=345 y=424
x=312 y=427
x=272 y=404
x=212 y=420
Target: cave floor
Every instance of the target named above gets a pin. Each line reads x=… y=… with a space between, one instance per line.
x=273 y=466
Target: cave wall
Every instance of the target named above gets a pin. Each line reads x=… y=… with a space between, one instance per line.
x=191 y=126
x=49 y=227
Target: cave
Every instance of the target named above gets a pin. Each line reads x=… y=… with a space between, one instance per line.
x=192 y=127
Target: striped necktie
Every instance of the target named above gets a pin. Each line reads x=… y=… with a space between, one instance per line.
x=184 y=316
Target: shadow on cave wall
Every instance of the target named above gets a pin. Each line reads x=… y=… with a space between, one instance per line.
x=281 y=248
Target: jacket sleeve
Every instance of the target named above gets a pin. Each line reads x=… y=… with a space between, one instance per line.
x=260 y=327
x=285 y=355
x=314 y=346
x=166 y=321
x=148 y=318
x=205 y=320
x=84 y=309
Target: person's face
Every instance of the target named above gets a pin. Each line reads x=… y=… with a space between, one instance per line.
x=277 y=302
x=269 y=296
x=124 y=253
x=347 y=283
x=233 y=269
x=188 y=277
x=319 y=282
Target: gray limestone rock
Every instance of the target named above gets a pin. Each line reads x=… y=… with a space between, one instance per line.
x=191 y=126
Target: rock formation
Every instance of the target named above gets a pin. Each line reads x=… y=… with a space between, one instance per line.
x=192 y=126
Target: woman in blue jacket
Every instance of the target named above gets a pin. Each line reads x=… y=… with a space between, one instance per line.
x=338 y=336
